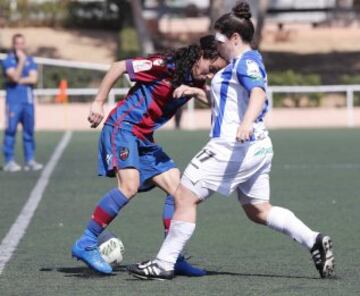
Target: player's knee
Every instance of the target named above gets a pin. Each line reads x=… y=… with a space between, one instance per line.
x=184 y=198
x=10 y=131
x=257 y=212
x=129 y=189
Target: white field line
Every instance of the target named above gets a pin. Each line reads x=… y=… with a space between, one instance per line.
x=18 y=229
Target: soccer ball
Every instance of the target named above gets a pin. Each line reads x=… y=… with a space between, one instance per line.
x=111 y=248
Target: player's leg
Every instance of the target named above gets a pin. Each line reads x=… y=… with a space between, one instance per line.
x=13 y=114
x=254 y=197
x=181 y=229
x=28 y=123
x=115 y=200
x=169 y=181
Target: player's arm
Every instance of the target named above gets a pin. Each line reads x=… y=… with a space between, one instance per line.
x=14 y=74
x=188 y=91
x=256 y=104
x=97 y=107
x=31 y=79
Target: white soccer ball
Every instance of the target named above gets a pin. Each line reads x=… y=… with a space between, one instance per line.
x=112 y=250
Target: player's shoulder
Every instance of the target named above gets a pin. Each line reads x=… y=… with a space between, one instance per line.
x=151 y=62
x=9 y=60
x=250 y=63
x=251 y=56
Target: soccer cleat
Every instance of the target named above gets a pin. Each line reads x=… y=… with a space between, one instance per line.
x=150 y=270
x=91 y=256
x=182 y=267
x=323 y=256
x=32 y=165
x=12 y=167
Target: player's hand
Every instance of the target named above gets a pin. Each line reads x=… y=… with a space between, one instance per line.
x=244 y=132
x=21 y=55
x=96 y=114
x=183 y=91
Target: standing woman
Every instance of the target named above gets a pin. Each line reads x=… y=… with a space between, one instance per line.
x=238 y=155
x=127 y=149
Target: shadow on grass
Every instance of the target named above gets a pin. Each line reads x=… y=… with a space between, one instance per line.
x=215 y=273
x=83 y=272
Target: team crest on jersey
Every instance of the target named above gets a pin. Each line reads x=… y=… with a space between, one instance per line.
x=124 y=153
x=253 y=70
x=141 y=65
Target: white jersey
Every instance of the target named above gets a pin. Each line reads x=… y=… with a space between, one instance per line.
x=230 y=91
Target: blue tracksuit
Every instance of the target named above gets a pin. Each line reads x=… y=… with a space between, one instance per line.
x=19 y=108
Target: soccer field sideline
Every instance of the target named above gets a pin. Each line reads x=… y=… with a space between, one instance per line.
x=307 y=164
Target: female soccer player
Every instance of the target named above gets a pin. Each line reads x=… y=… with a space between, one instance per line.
x=126 y=147
x=238 y=155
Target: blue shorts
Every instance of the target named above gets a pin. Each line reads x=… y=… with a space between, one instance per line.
x=120 y=149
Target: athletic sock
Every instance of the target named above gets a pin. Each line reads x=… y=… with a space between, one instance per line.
x=168 y=212
x=179 y=233
x=285 y=221
x=106 y=210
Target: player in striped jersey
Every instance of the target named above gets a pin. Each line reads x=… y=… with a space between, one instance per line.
x=127 y=149
x=237 y=157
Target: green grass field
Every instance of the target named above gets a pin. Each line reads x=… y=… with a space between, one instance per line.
x=315 y=174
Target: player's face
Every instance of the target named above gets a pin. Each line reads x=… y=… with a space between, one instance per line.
x=19 y=43
x=206 y=68
x=225 y=46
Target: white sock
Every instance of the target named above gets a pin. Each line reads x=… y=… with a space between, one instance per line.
x=179 y=233
x=285 y=221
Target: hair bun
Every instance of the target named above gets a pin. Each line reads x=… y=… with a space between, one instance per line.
x=242 y=10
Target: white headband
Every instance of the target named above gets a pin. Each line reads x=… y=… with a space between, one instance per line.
x=220 y=37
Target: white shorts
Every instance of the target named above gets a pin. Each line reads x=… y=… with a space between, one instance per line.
x=223 y=166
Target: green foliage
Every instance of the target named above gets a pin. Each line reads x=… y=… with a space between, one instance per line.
x=289 y=77
x=76 y=78
x=128 y=43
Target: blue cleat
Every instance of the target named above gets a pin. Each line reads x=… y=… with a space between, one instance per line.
x=91 y=257
x=182 y=267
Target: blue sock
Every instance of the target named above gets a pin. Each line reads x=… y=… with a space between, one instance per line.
x=106 y=210
x=168 y=212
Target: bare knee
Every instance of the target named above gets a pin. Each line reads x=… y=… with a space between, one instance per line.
x=129 y=189
x=257 y=213
x=184 y=198
x=128 y=182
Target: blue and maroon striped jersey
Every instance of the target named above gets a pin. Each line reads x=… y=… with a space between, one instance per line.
x=149 y=103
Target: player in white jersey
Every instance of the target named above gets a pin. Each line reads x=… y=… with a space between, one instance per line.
x=237 y=157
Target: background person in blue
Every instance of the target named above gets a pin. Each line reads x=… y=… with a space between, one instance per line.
x=21 y=75
x=127 y=149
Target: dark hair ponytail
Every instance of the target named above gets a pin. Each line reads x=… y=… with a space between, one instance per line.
x=237 y=21
x=186 y=57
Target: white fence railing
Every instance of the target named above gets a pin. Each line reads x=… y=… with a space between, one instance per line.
x=348 y=90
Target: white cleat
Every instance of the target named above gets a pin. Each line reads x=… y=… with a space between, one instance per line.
x=11 y=167
x=32 y=165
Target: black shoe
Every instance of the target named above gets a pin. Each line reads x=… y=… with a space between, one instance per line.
x=323 y=256
x=150 y=270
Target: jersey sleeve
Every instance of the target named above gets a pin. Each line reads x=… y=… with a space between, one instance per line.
x=8 y=64
x=146 y=69
x=250 y=74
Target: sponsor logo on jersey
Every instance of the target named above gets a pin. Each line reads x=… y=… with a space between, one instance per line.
x=158 y=62
x=124 y=153
x=141 y=65
x=253 y=70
